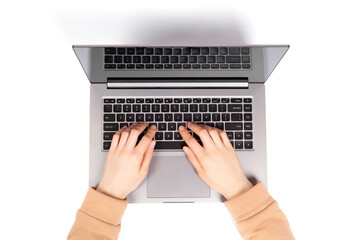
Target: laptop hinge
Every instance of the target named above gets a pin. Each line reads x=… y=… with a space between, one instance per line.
x=177 y=82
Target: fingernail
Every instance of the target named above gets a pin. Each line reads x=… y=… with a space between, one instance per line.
x=143 y=123
x=153 y=127
x=190 y=123
x=181 y=127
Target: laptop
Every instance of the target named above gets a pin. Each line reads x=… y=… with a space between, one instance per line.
x=220 y=86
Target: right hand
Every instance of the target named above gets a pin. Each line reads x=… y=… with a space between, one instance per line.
x=216 y=162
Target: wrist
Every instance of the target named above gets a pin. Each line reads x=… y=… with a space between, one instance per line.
x=107 y=191
x=239 y=189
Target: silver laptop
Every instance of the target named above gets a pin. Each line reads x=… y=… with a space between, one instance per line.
x=220 y=86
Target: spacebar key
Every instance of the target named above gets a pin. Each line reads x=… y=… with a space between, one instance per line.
x=170 y=145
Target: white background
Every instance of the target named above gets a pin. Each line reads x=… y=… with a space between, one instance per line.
x=312 y=111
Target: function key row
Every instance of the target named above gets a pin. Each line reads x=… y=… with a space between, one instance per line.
x=177 y=66
x=177 y=51
x=178 y=100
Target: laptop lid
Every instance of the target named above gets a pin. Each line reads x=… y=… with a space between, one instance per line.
x=264 y=59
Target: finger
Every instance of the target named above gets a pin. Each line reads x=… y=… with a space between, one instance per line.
x=146 y=140
x=202 y=133
x=116 y=138
x=134 y=135
x=191 y=141
x=193 y=160
x=144 y=167
x=225 y=138
x=125 y=135
x=214 y=134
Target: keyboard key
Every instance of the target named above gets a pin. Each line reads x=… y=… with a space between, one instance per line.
x=117 y=108
x=205 y=66
x=158 y=51
x=236 y=100
x=224 y=66
x=210 y=124
x=174 y=59
x=233 y=59
x=204 y=51
x=216 y=116
x=186 y=66
x=130 y=66
x=170 y=145
x=111 y=126
x=236 y=117
x=214 y=51
x=121 y=51
x=225 y=117
x=177 y=51
x=239 y=145
x=234 y=108
x=215 y=100
x=118 y=59
x=248 y=135
x=225 y=100
x=233 y=126
x=130 y=51
x=106 y=145
x=187 y=51
x=146 y=107
x=149 y=51
x=167 y=51
x=193 y=59
x=211 y=59
x=219 y=126
x=214 y=66
x=109 y=100
x=140 y=117
x=168 y=66
x=165 y=108
x=195 y=51
x=223 y=50
x=197 y=100
x=177 y=136
x=162 y=127
x=222 y=107
x=187 y=117
x=196 y=117
x=245 y=59
x=247 y=117
x=155 y=108
x=130 y=117
x=178 y=117
x=193 y=107
x=146 y=59
x=248 y=126
x=159 y=100
x=108 y=135
x=202 y=59
x=121 y=66
x=123 y=125
x=247 y=108
x=107 y=108
x=140 y=51
x=127 y=59
x=238 y=135
x=203 y=108
x=130 y=100
x=120 y=117
x=168 y=100
x=206 y=100
x=110 y=66
x=164 y=59
x=212 y=108
x=168 y=117
x=248 y=144
x=159 y=136
x=136 y=108
x=109 y=117
x=127 y=108
x=171 y=126
x=247 y=100
x=245 y=50
x=246 y=66
x=137 y=59
x=184 y=107
x=195 y=66
x=234 y=50
x=109 y=59
x=149 y=117
x=235 y=66
x=110 y=50
x=206 y=117
x=155 y=59
x=177 y=66
x=159 y=117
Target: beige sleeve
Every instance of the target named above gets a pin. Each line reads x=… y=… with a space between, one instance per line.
x=98 y=218
x=258 y=215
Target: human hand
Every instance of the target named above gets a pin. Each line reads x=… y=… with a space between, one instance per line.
x=127 y=164
x=216 y=162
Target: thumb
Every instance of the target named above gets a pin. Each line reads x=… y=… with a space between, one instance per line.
x=147 y=158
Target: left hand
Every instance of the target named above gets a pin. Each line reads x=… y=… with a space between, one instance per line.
x=127 y=164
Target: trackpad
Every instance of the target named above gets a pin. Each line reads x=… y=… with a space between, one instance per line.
x=174 y=177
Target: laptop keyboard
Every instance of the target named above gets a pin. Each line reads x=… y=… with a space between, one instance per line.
x=177 y=58
x=231 y=114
